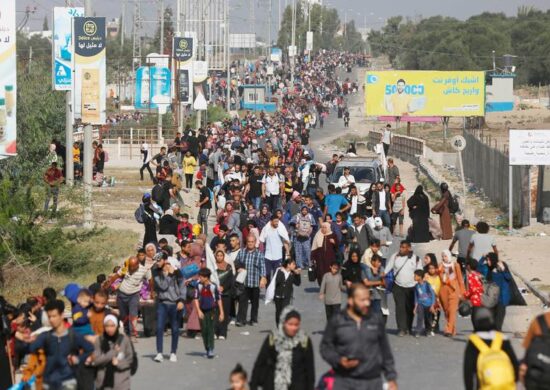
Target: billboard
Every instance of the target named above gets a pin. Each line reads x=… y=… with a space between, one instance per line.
x=89 y=70
x=153 y=88
x=8 y=80
x=529 y=147
x=201 y=90
x=183 y=49
x=425 y=93
x=62 y=46
x=276 y=54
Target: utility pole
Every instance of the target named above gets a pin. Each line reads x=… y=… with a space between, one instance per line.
x=159 y=122
x=122 y=22
x=228 y=56
x=136 y=44
x=321 y=22
x=293 y=43
x=88 y=154
x=69 y=139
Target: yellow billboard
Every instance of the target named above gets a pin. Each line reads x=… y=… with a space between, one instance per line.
x=424 y=93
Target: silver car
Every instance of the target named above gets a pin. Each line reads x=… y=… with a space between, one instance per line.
x=365 y=170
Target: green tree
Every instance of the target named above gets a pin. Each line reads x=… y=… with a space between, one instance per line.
x=168 y=33
x=45 y=24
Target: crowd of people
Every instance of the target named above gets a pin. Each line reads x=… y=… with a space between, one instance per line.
x=264 y=222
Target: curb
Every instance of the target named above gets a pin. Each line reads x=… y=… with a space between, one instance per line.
x=537 y=292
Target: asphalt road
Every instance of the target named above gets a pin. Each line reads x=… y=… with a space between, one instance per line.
x=422 y=363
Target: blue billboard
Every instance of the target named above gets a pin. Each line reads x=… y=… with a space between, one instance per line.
x=153 y=88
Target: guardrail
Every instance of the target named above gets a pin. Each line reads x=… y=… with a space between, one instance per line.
x=403 y=147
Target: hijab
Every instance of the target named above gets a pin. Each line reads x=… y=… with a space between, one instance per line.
x=284 y=346
x=319 y=238
x=106 y=343
x=448 y=266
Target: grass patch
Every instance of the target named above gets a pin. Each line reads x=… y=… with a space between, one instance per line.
x=99 y=251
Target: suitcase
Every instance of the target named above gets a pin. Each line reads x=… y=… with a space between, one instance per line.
x=149 y=319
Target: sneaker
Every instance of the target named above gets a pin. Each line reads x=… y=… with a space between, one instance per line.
x=197 y=337
x=159 y=358
x=239 y=324
x=401 y=334
x=221 y=338
x=173 y=358
x=232 y=322
x=215 y=337
x=210 y=354
x=432 y=334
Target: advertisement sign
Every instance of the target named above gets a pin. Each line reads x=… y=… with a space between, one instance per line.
x=425 y=93
x=276 y=54
x=153 y=88
x=8 y=80
x=89 y=70
x=183 y=49
x=62 y=46
x=309 y=40
x=200 y=85
x=529 y=147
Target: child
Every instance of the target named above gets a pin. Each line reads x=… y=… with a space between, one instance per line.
x=81 y=322
x=330 y=293
x=432 y=277
x=185 y=229
x=238 y=378
x=207 y=299
x=375 y=280
x=373 y=249
x=424 y=304
x=98 y=311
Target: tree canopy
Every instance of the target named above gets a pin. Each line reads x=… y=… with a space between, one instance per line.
x=445 y=43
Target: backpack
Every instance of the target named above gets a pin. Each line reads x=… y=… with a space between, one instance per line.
x=454 y=206
x=207 y=297
x=494 y=367
x=138 y=214
x=491 y=294
x=105 y=156
x=303 y=226
x=134 y=364
x=537 y=357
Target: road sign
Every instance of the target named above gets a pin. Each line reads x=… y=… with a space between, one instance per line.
x=458 y=143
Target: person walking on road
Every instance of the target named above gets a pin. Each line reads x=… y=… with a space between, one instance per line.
x=403 y=264
x=285 y=360
x=275 y=236
x=462 y=237
x=495 y=270
x=381 y=204
x=53 y=177
x=452 y=290
x=189 y=165
x=250 y=261
x=442 y=209
x=170 y=293
x=386 y=140
x=393 y=172
x=505 y=363
x=356 y=346
x=284 y=280
x=204 y=204
x=419 y=211
x=324 y=250
x=481 y=242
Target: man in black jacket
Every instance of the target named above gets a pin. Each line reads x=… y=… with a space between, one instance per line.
x=381 y=204
x=360 y=234
x=356 y=345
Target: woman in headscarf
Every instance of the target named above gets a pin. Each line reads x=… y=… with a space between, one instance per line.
x=452 y=290
x=442 y=209
x=286 y=360
x=113 y=357
x=324 y=249
x=263 y=217
x=419 y=211
x=368 y=200
x=352 y=270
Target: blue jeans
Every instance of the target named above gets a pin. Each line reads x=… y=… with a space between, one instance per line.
x=302 y=250
x=167 y=311
x=386 y=220
x=256 y=201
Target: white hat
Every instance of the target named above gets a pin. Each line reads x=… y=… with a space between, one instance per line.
x=378 y=222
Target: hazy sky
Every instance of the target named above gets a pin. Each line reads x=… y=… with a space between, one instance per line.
x=374 y=11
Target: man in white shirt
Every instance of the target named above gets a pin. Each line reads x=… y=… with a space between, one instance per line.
x=386 y=140
x=271 y=189
x=403 y=264
x=274 y=235
x=346 y=180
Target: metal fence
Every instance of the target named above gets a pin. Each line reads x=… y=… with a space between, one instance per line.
x=402 y=147
x=487 y=167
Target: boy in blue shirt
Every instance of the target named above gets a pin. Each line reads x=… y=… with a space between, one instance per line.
x=424 y=304
x=208 y=305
